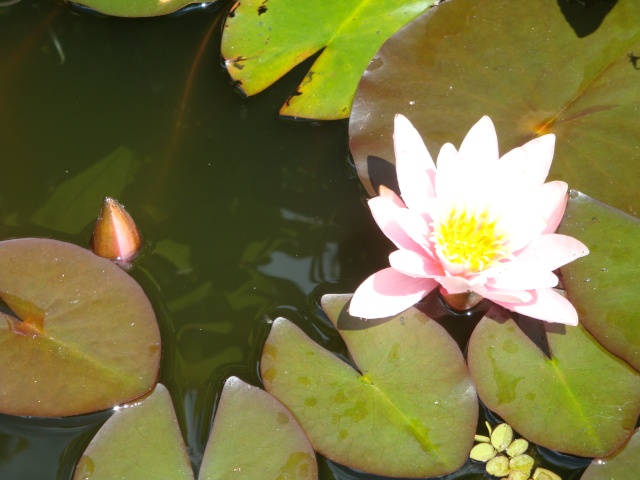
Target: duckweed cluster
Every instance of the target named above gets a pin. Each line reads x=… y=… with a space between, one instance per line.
x=506 y=457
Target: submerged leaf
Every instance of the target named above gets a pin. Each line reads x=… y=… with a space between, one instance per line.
x=583 y=401
x=470 y=58
x=255 y=436
x=409 y=409
x=80 y=336
x=141 y=441
x=604 y=286
x=264 y=39
x=72 y=206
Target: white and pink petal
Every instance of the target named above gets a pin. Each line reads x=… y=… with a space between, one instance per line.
x=414 y=166
x=502 y=295
x=454 y=284
x=388 y=292
x=552 y=251
x=519 y=275
x=480 y=145
x=415 y=265
x=385 y=212
x=547 y=305
x=530 y=163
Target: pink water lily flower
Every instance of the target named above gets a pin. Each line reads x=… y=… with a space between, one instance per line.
x=478 y=224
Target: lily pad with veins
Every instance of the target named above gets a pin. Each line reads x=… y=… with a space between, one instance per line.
x=77 y=334
x=573 y=396
x=470 y=58
x=407 y=409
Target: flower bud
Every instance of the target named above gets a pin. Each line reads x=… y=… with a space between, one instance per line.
x=115 y=235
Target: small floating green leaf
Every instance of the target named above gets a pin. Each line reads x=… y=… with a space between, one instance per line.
x=407 y=409
x=482 y=452
x=81 y=336
x=141 y=441
x=501 y=437
x=255 y=436
x=264 y=39
x=604 y=285
x=584 y=401
x=498 y=466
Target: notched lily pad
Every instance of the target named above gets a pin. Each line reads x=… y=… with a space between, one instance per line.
x=264 y=39
x=407 y=409
x=255 y=436
x=77 y=334
x=470 y=58
x=141 y=441
x=604 y=285
x=583 y=401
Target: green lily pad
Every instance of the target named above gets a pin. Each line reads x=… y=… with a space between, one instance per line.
x=407 y=409
x=470 y=58
x=264 y=39
x=583 y=401
x=255 y=436
x=135 y=8
x=618 y=465
x=81 y=336
x=140 y=441
x=604 y=285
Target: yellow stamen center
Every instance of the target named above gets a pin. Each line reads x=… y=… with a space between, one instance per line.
x=472 y=240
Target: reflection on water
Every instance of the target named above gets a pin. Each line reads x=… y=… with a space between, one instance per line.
x=44 y=448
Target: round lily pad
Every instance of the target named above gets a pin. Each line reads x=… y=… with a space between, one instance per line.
x=407 y=409
x=77 y=334
x=576 y=397
x=620 y=464
x=255 y=436
x=140 y=441
x=603 y=286
x=469 y=58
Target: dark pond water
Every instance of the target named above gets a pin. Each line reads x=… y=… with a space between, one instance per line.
x=245 y=217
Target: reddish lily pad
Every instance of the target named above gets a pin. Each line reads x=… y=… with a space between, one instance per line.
x=604 y=285
x=408 y=409
x=255 y=436
x=470 y=58
x=618 y=465
x=264 y=39
x=140 y=441
x=82 y=335
x=583 y=400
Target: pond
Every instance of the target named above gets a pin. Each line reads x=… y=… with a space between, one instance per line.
x=245 y=216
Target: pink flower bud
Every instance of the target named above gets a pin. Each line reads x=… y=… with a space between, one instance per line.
x=115 y=235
